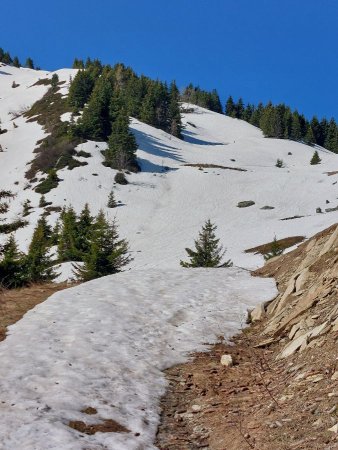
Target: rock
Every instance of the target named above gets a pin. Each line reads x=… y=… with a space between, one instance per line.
x=226 y=360
x=315 y=378
x=257 y=313
x=268 y=207
x=318 y=423
x=334 y=376
x=319 y=210
x=331 y=209
x=196 y=408
x=334 y=429
x=302 y=340
x=245 y=204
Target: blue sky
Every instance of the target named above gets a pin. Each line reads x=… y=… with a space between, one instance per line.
x=283 y=50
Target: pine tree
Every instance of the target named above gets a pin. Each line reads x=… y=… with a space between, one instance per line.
x=67 y=250
x=55 y=81
x=108 y=253
x=29 y=63
x=84 y=227
x=208 y=252
x=121 y=152
x=80 y=89
x=11 y=265
x=175 y=123
x=309 y=137
x=95 y=123
x=111 y=200
x=275 y=250
x=16 y=62
x=315 y=159
x=38 y=263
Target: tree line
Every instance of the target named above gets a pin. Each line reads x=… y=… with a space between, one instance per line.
x=108 y=96
x=280 y=121
x=6 y=58
x=91 y=243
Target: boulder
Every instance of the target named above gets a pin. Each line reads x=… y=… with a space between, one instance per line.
x=245 y=203
x=226 y=360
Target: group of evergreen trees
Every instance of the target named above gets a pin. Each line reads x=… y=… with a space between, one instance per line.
x=6 y=58
x=205 y=99
x=93 y=241
x=279 y=121
x=19 y=269
x=109 y=96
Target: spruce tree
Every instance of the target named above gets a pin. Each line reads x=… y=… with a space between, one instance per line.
x=67 y=250
x=29 y=63
x=84 y=227
x=275 y=250
x=315 y=159
x=95 y=123
x=175 y=123
x=108 y=253
x=309 y=137
x=16 y=62
x=111 y=200
x=208 y=252
x=121 y=152
x=38 y=263
x=12 y=273
x=55 y=81
x=80 y=89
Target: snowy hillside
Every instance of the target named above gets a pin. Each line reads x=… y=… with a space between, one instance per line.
x=103 y=344
x=165 y=205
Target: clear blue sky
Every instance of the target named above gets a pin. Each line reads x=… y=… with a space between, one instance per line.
x=283 y=50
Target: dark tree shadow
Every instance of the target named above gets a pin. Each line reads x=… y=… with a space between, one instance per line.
x=189 y=137
x=155 y=146
x=147 y=166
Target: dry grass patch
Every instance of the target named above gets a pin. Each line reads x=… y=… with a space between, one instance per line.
x=282 y=243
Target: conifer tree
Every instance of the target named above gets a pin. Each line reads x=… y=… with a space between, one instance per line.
x=16 y=62
x=29 y=63
x=12 y=272
x=309 y=137
x=108 y=253
x=315 y=159
x=175 y=123
x=84 y=227
x=111 y=200
x=275 y=250
x=38 y=263
x=208 y=252
x=55 y=81
x=95 y=123
x=67 y=250
x=121 y=152
x=80 y=89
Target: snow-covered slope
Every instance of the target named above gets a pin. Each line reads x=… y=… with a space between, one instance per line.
x=103 y=344
x=165 y=205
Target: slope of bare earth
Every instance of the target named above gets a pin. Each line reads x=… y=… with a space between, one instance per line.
x=282 y=391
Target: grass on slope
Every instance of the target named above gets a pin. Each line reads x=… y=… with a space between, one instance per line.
x=57 y=150
x=282 y=243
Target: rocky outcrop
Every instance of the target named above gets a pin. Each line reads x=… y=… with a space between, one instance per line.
x=306 y=308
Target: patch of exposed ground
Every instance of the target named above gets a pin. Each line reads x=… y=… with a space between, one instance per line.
x=15 y=303
x=106 y=426
x=260 y=402
x=266 y=400
x=282 y=243
x=214 y=166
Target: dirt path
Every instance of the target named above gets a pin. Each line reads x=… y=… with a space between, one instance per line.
x=259 y=403
x=16 y=302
